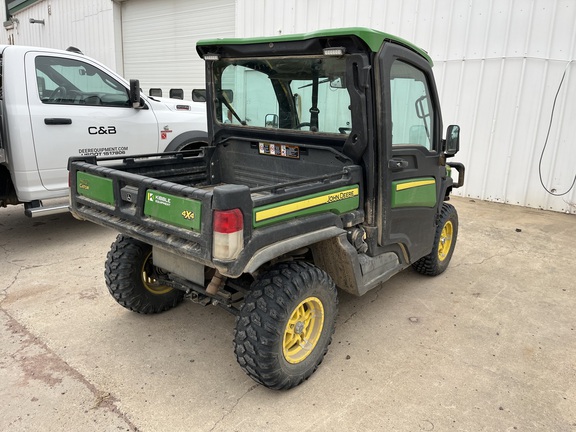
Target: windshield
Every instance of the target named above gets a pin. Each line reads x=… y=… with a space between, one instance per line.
x=304 y=93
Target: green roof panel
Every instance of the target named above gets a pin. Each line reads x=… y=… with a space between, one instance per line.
x=372 y=38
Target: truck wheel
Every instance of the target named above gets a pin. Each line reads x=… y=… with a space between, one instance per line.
x=286 y=324
x=444 y=243
x=131 y=278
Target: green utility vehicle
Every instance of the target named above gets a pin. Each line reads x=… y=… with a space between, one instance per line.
x=326 y=168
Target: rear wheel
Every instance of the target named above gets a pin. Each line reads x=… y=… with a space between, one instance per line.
x=286 y=324
x=132 y=278
x=444 y=243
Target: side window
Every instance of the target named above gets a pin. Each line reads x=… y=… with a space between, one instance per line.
x=71 y=82
x=412 y=111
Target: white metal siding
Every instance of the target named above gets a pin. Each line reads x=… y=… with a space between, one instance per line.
x=498 y=65
x=85 y=24
x=160 y=40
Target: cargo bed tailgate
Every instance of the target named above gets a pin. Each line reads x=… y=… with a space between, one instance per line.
x=125 y=197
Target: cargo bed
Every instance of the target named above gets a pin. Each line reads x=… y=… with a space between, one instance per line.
x=167 y=200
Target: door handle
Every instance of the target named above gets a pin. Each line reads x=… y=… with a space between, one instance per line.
x=57 y=121
x=397 y=164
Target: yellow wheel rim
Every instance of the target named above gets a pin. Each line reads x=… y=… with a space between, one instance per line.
x=303 y=330
x=445 y=242
x=149 y=282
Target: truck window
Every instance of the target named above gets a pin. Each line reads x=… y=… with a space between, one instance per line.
x=72 y=82
x=307 y=94
x=412 y=111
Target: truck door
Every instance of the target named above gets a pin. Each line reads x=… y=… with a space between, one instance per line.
x=410 y=152
x=76 y=108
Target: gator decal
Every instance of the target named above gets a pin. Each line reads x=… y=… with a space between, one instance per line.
x=94 y=187
x=419 y=192
x=338 y=201
x=174 y=210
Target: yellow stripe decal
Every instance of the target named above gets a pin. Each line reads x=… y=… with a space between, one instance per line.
x=414 y=184
x=306 y=204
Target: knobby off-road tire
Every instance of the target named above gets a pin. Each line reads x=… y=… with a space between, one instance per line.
x=130 y=277
x=286 y=324
x=444 y=243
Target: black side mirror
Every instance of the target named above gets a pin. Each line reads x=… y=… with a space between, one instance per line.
x=271 y=121
x=452 y=143
x=135 y=93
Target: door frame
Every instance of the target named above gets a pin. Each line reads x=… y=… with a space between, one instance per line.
x=408 y=223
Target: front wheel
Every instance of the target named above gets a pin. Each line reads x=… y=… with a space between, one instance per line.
x=132 y=278
x=444 y=243
x=286 y=324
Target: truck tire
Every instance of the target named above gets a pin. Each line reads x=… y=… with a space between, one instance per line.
x=286 y=324
x=130 y=278
x=444 y=243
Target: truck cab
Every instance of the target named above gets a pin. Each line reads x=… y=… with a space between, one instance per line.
x=378 y=106
x=57 y=104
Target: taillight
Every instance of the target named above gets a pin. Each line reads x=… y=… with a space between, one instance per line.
x=228 y=228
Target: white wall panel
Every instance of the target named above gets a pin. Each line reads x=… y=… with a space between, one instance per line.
x=85 y=24
x=498 y=65
x=160 y=40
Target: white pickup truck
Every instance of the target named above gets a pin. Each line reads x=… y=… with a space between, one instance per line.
x=56 y=104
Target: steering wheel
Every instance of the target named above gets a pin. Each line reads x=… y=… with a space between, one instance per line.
x=58 y=94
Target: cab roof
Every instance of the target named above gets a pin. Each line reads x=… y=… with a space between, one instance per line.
x=355 y=39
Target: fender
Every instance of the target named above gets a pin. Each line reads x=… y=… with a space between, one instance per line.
x=189 y=137
x=281 y=247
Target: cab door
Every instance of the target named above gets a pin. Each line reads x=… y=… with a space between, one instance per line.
x=77 y=108
x=411 y=164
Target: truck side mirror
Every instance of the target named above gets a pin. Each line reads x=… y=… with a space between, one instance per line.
x=452 y=143
x=135 y=93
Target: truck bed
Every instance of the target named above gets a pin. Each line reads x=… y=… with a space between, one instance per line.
x=251 y=176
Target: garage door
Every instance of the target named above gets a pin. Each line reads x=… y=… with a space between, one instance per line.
x=159 y=40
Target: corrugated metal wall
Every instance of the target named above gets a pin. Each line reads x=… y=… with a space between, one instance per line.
x=88 y=25
x=499 y=65
x=159 y=40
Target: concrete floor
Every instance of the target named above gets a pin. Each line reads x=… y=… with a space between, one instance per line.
x=488 y=345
